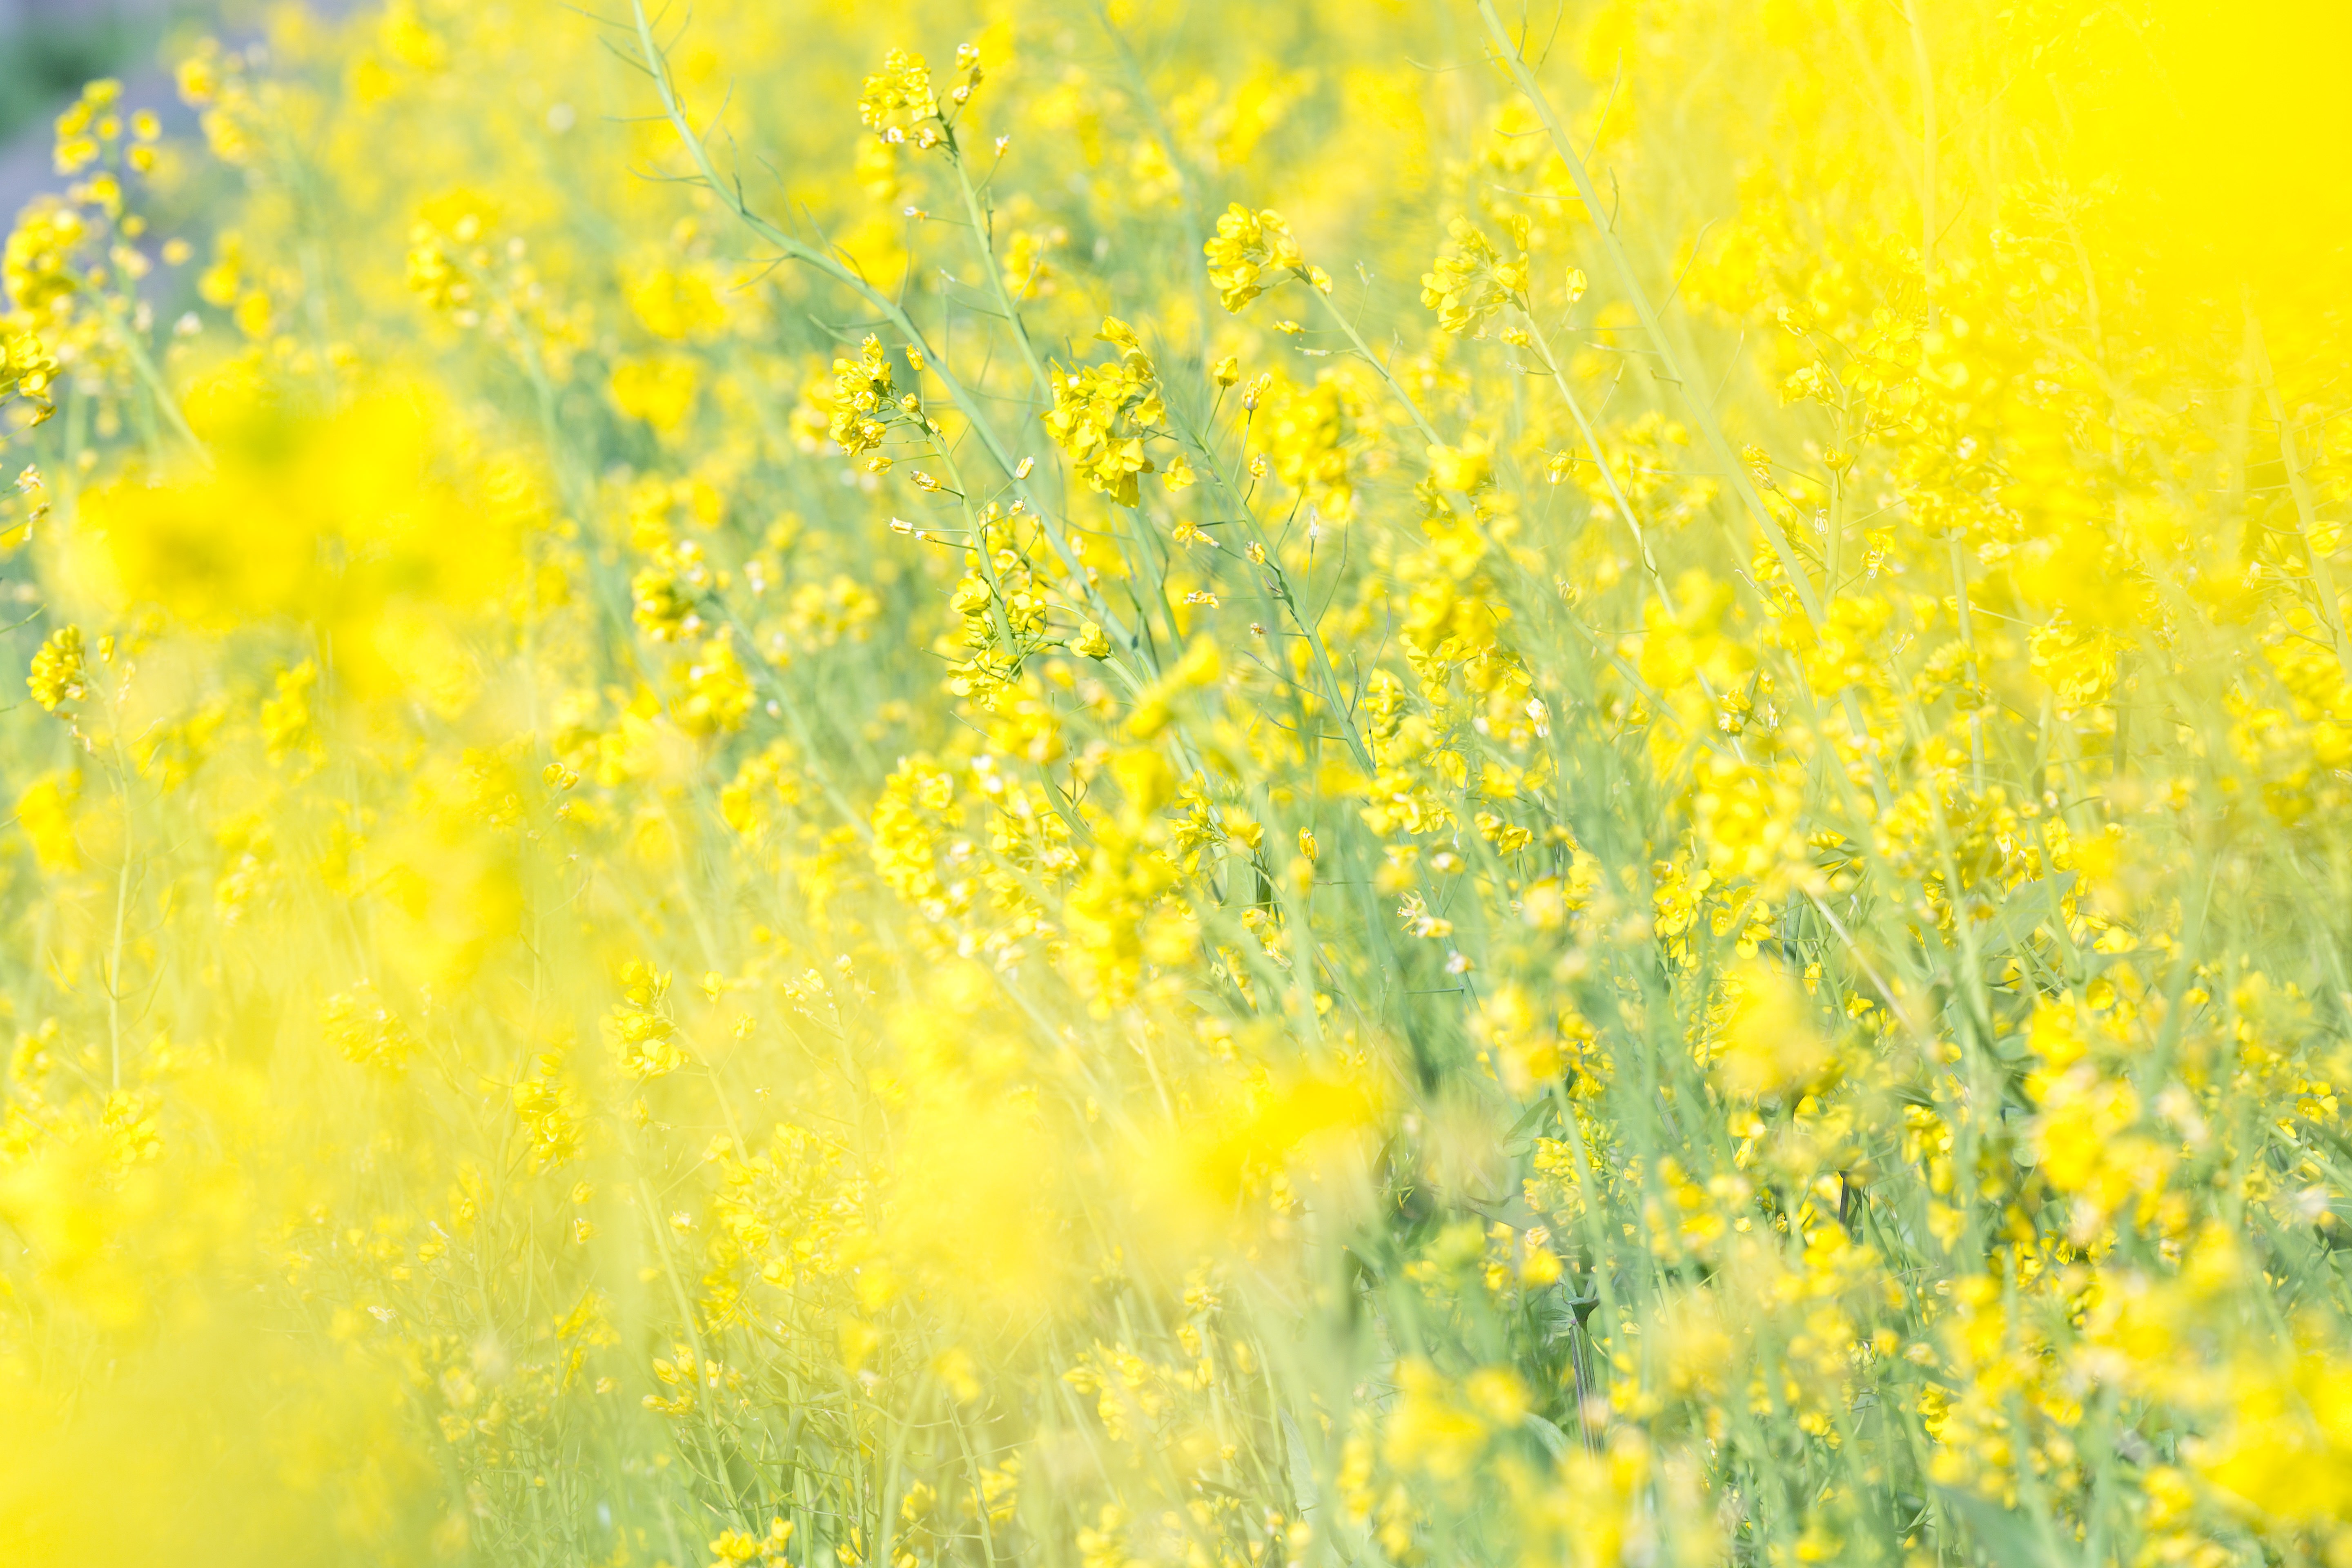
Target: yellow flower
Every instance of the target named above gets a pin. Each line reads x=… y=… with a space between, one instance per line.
x=660 y=390
x=717 y=692
x=1771 y=1046
x=1250 y=253
x=1470 y=280
x=60 y=674
x=899 y=98
x=365 y=1030
x=672 y=303
x=26 y=367
x=1102 y=414
x=45 y=811
x=1464 y=468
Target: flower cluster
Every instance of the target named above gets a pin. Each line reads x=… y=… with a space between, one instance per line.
x=1103 y=414
x=1470 y=281
x=1253 y=252
x=899 y=103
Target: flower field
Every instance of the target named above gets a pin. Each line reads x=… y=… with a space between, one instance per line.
x=1102 y=783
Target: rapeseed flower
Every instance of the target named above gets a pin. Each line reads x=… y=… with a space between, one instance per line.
x=1673 y=898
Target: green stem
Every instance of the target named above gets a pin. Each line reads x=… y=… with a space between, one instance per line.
x=1413 y=409
x=2306 y=512
x=983 y=237
x=1600 y=462
x=999 y=451
x=153 y=378
x=1630 y=280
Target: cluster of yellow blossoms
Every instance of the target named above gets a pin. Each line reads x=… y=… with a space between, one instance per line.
x=1677 y=895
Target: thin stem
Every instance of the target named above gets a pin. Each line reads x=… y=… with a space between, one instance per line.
x=1927 y=138
x=122 y=909
x=985 y=237
x=1413 y=409
x=1630 y=280
x=153 y=378
x=1600 y=460
x=999 y=451
x=2306 y=512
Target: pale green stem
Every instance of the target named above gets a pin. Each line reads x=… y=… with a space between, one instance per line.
x=2306 y=512
x=886 y=307
x=1735 y=470
x=165 y=404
